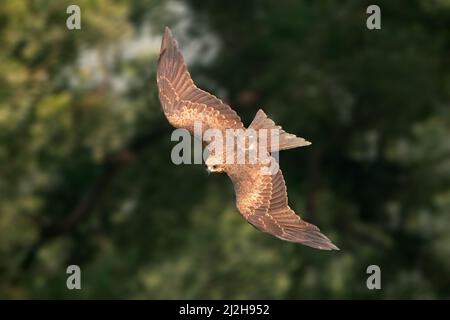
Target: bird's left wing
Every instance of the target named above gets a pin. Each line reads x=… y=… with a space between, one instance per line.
x=263 y=201
x=183 y=102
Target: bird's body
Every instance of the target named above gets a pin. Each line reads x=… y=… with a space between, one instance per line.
x=260 y=198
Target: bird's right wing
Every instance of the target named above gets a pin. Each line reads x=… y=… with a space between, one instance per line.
x=183 y=102
x=263 y=201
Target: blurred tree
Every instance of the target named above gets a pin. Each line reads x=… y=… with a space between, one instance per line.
x=85 y=170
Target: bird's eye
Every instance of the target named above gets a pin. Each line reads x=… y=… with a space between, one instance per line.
x=214 y=167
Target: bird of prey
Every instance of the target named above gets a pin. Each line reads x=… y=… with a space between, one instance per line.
x=260 y=198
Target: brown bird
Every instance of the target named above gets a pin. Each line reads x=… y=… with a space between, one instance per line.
x=260 y=198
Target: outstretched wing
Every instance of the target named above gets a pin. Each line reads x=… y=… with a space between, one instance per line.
x=262 y=200
x=182 y=102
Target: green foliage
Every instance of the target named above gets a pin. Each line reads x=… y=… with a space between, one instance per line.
x=85 y=170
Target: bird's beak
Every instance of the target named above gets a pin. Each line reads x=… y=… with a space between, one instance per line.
x=209 y=171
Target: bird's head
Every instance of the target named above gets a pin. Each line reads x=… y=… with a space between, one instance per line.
x=214 y=164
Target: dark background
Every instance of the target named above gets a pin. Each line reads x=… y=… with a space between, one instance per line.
x=85 y=170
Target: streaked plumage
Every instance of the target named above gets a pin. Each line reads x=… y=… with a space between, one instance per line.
x=261 y=199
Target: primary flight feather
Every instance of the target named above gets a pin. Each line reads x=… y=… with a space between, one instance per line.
x=260 y=198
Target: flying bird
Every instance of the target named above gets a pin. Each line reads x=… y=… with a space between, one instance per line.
x=260 y=198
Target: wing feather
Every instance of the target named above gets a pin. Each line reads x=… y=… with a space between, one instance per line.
x=263 y=201
x=182 y=101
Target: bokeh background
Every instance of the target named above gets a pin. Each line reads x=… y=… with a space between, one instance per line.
x=85 y=170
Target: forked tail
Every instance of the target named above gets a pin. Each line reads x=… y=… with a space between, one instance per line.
x=285 y=140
